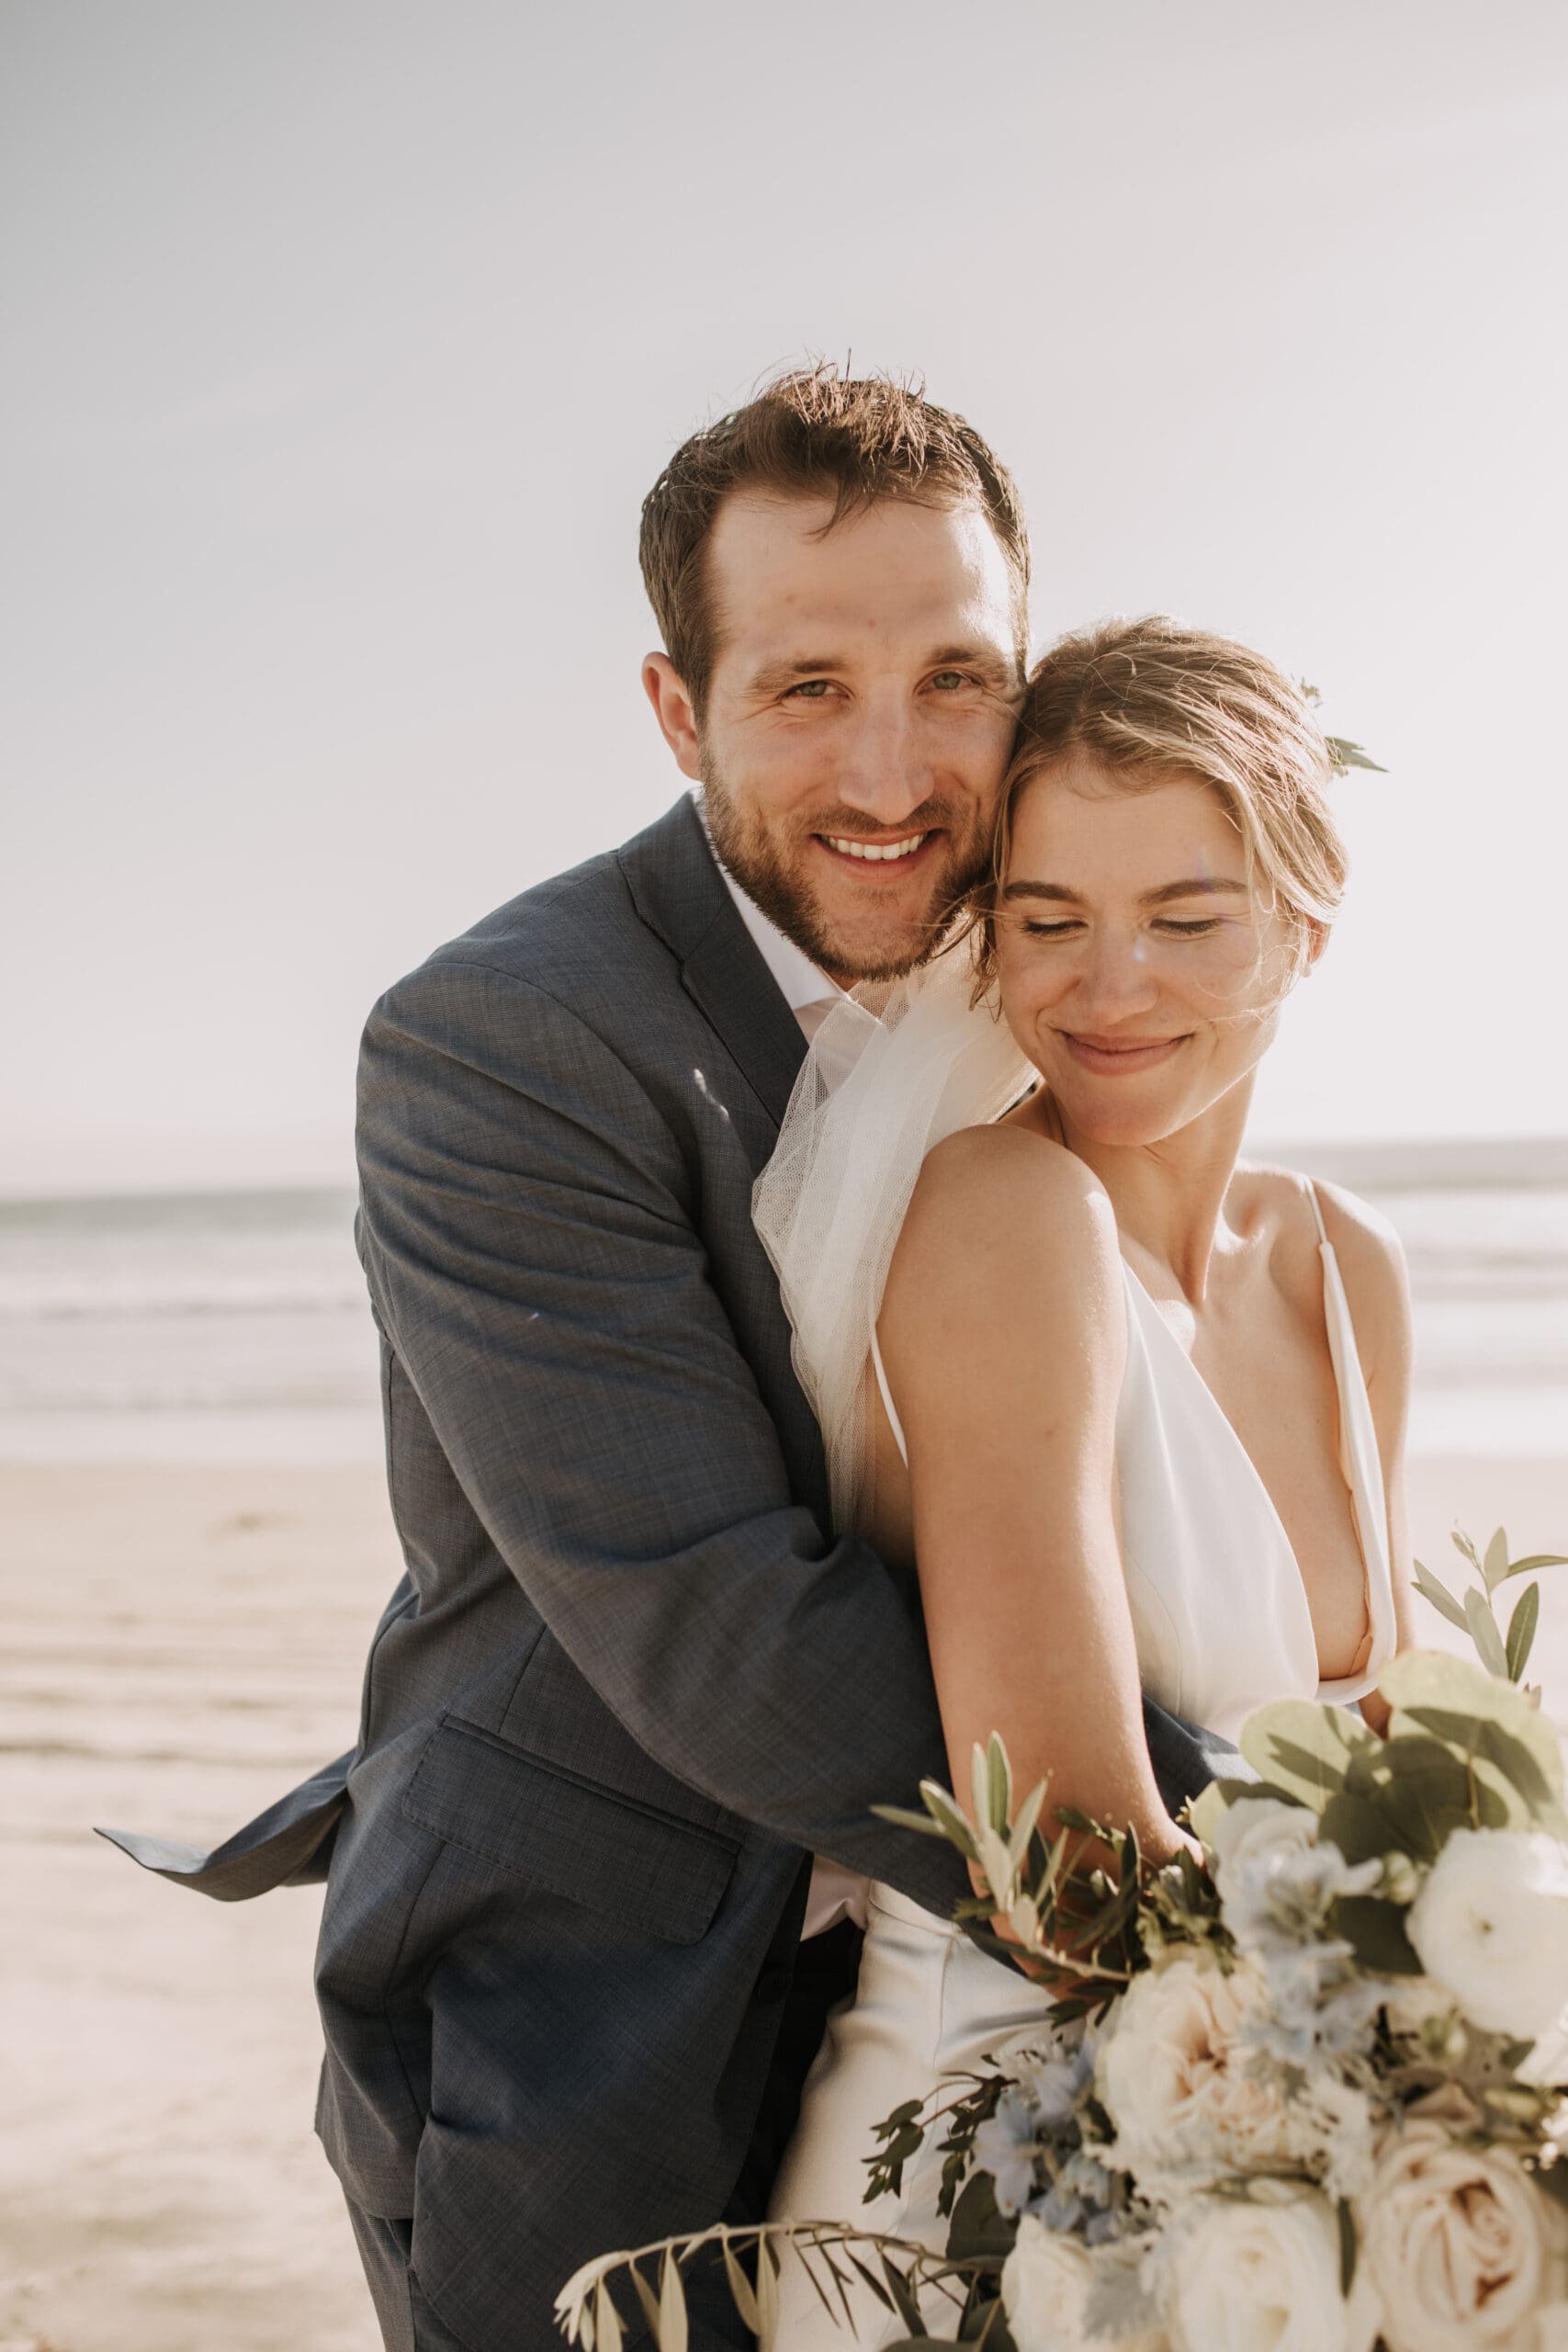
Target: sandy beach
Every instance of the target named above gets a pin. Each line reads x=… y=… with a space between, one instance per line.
x=182 y=1644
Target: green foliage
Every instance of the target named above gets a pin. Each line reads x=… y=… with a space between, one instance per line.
x=1472 y=1611
x=1305 y=1749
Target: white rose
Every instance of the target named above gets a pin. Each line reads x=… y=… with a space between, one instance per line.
x=1491 y=1924
x=1046 y=2282
x=1182 y=2090
x=1247 y=2277
x=1253 y=1827
x=1461 y=2250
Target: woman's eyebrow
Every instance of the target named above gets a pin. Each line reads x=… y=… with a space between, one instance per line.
x=1196 y=886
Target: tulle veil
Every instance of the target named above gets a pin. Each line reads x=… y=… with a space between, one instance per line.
x=877 y=1090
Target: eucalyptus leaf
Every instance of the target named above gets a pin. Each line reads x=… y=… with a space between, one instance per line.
x=1343 y=754
x=673 y=2331
x=1537 y=1560
x=978 y=2227
x=999 y=1784
x=1521 y=1630
x=1303 y=1747
x=1425 y=1793
x=767 y=2296
x=1463 y=1544
x=984 y=2321
x=1348 y=2248
x=903 y=2297
x=1495 y=1560
x=1433 y=1678
x=945 y=1812
x=1206 y=1811
x=646 y=2298
x=1023 y=1827
x=1484 y=1633
x=902 y=1818
x=1364 y=1829
x=875 y=2285
x=607 y=2334
x=1481 y=1718
x=1441 y=1599
x=1375 y=1932
x=740 y=2294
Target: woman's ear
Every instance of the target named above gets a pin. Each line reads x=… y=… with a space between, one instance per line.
x=1315 y=940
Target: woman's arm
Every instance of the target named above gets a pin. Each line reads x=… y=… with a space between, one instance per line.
x=1377 y=1290
x=1003 y=1335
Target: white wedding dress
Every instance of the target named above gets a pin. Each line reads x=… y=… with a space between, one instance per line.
x=1218 y=1612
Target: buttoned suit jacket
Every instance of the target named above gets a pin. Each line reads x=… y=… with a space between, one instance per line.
x=629 y=1683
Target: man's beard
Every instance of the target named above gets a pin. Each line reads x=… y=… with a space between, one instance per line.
x=762 y=866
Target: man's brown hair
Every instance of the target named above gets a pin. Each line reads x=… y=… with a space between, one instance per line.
x=812 y=431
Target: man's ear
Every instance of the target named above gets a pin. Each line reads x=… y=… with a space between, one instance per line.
x=672 y=709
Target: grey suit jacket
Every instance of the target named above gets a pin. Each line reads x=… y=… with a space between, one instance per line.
x=629 y=1684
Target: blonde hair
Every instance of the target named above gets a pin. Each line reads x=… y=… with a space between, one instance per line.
x=1142 y=697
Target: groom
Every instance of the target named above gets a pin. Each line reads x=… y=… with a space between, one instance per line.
x=595 y=1858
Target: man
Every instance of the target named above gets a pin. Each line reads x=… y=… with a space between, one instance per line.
x=630 y=1685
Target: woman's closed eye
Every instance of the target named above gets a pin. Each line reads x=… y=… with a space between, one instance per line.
x=1168 y=927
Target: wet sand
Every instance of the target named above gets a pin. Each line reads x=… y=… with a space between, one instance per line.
x=181 y=1646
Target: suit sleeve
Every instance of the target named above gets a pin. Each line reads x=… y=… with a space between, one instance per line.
x=530 y=1239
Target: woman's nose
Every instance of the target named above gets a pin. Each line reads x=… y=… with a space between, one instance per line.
x=1115 y=976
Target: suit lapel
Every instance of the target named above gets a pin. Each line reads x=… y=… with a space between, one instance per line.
x=679 y=892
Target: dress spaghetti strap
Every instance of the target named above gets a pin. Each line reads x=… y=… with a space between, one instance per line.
x=888 y=1407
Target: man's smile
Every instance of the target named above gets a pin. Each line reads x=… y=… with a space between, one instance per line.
x=897 y=849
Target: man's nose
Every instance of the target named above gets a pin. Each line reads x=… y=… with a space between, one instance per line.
x=885 y=773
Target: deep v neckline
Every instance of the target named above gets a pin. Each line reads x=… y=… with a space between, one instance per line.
x=1368 y=1642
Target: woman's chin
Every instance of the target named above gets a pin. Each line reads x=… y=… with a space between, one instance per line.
x=1119 y=1126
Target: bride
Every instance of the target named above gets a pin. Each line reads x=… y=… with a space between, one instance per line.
x=1134 y=1407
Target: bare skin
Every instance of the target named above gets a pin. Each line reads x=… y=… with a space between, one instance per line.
x=862 y=697
x=1146 y=1011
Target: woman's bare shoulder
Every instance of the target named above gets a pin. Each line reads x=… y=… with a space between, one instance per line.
x=1366 y=1245
x=1000 y=1203
x=985 y=1175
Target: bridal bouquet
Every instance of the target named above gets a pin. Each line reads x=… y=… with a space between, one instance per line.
x=1304 y=2097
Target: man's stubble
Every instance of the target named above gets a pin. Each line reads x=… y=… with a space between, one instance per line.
x=763 y=867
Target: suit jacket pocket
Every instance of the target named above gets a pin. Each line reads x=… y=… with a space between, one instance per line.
x=643 y=1868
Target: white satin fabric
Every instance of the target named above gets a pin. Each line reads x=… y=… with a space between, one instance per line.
x=1222 y=1623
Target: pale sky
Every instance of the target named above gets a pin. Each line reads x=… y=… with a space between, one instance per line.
x=344 y=337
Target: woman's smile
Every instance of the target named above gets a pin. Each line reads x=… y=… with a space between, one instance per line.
x=1119 y=1057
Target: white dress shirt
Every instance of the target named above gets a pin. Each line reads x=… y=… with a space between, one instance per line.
x=836 y=1893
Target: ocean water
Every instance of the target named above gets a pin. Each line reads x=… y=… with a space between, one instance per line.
x=233 y=1326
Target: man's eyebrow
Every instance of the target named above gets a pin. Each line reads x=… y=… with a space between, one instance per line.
x=996 y=668
x=783 y=673
x=1200 y=885
x=977 y=657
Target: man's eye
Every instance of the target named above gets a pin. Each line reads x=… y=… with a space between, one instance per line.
x=951 y=680
x=809 y=690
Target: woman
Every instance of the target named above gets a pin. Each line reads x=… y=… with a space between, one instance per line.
x=1135 y=1410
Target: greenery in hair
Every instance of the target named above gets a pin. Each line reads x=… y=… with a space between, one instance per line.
x=1343 y=755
